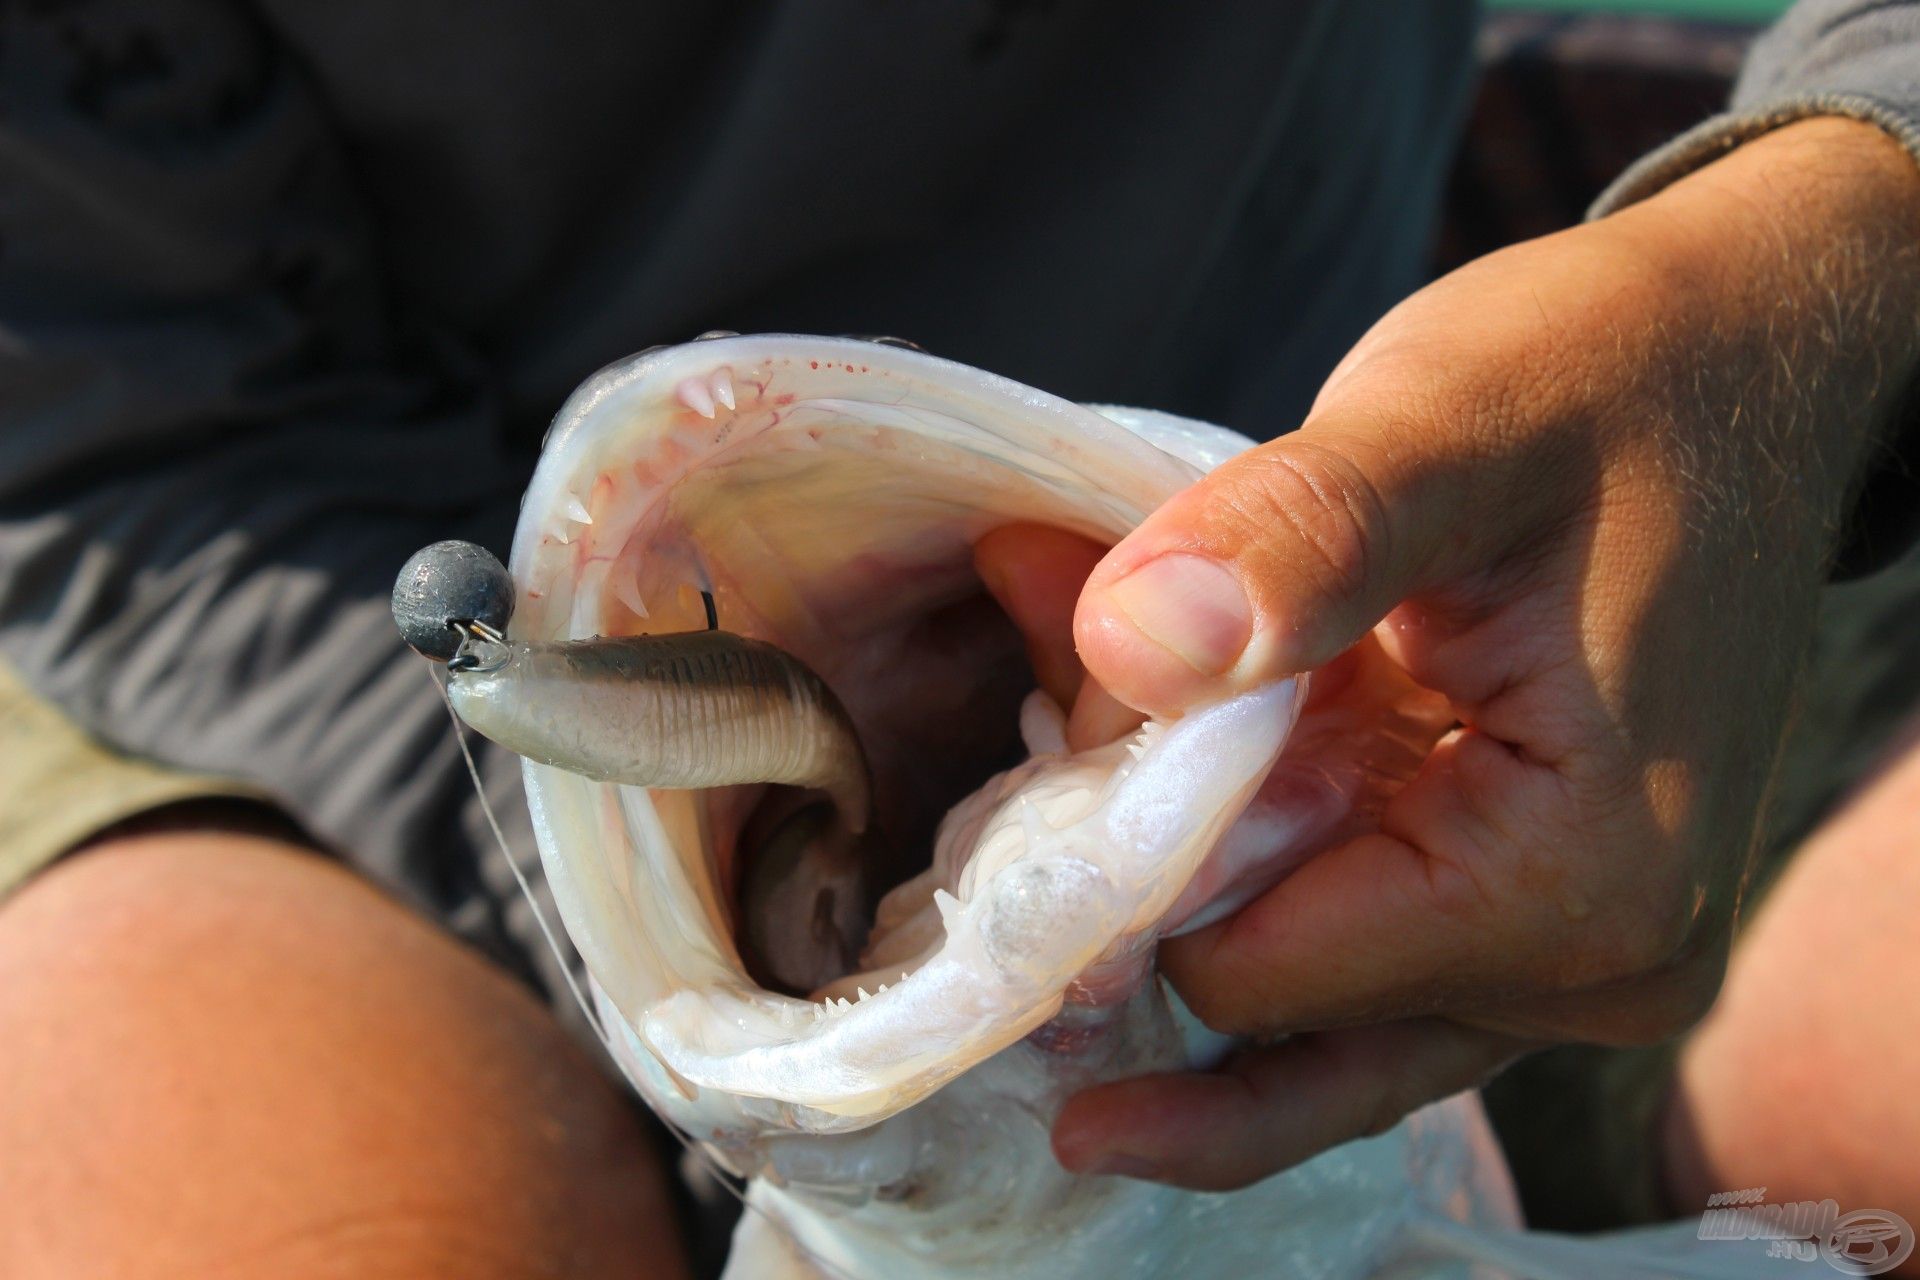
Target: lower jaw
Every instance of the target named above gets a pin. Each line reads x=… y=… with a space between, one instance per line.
x=1071 y=913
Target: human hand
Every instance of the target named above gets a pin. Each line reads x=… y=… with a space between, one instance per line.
x=1584 y=490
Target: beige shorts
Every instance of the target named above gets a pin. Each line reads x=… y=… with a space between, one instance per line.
x=60 y=786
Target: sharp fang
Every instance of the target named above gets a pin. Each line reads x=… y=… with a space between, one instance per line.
x=696 y=395
x=722 y=383
x=863 y=994
x=626 y=589
x=948 y=906
x=576 y=510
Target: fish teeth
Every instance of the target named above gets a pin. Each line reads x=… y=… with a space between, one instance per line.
x=696 y=395
x=626 y=589
x=864 y=997
x=949 y=908
x=576 y=510
x=722 y=386
x=1149 y=733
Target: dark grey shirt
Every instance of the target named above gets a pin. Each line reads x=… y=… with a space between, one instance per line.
x=288 y=290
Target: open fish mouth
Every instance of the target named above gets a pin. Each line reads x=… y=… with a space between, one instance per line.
x=827 y=494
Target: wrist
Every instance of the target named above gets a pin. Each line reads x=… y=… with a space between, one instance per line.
x=1790 y=277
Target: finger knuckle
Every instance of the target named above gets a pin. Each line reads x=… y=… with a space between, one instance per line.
x=1667 y=1014
x=1335 y=514
x=1225 y=1002
x=1396 y=1096
x=1692 y=992
x=1639 y=938
x=1385 y=1109
x=1233 y=979
x=1464 y=883
x=1655 y=1008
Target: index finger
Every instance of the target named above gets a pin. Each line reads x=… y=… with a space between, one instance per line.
x=1035 y=573
x=1464 y=898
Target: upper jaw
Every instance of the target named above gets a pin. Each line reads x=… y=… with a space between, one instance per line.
x=1093 y=866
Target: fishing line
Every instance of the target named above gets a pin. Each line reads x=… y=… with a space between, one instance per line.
x=519 y=876
x=694 y=1148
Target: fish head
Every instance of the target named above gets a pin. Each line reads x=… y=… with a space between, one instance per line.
x=826 y=496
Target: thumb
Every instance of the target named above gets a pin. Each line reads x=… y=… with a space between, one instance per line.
x=1272 y=564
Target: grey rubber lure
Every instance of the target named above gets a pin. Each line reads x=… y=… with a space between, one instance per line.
x=696 y=709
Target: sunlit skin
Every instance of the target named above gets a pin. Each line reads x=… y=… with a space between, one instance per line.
x=1586 y=489
x=228 y=1056
x=1801 y=1080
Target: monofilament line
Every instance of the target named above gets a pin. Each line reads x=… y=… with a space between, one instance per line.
x=519 y=876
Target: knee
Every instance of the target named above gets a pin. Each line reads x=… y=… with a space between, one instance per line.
x=221 y=1047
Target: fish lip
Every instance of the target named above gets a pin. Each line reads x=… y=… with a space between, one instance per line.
x=698 y=965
